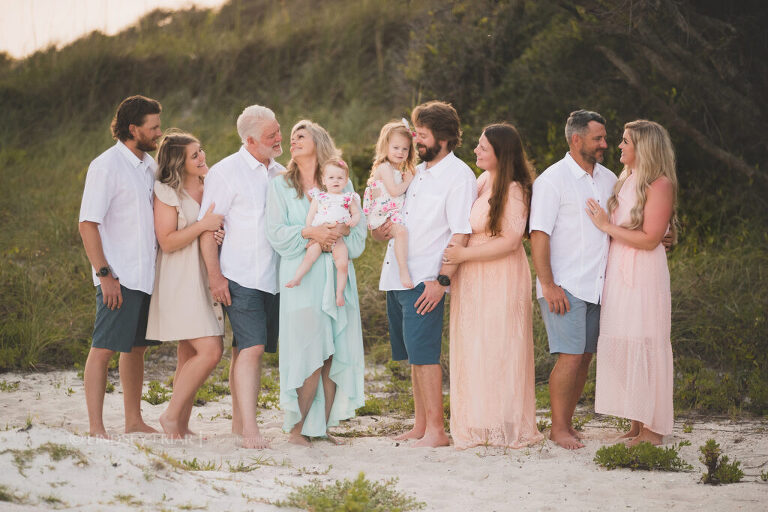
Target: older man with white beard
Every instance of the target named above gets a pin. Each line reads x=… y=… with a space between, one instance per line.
x=244 y=276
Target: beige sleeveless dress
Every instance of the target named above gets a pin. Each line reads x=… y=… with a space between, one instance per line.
x=182 y=307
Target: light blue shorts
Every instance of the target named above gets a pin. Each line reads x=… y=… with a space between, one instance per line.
x=576 y=331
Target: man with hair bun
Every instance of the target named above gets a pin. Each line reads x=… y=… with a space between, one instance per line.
x=436 y=214
x=117 y=227
x=244 y=277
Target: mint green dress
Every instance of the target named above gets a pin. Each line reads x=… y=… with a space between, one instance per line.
x=312 y=327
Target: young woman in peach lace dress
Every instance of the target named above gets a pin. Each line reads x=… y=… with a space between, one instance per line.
x=634 y=354
x=492 y=373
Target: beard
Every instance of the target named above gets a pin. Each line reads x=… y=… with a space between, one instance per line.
x=592 y=157
x=145 y=145
x=429 y=152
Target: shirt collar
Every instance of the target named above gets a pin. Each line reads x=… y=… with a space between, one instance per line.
x=132 y=158
x=439 y=165
x=253 y=163
x=576 y=169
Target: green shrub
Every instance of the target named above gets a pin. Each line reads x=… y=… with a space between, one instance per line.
x=359 y=495
x=643 y=456
x=719 y=470
x=156 y=393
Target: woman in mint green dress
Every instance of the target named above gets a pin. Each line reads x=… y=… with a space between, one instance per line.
x=321 y=344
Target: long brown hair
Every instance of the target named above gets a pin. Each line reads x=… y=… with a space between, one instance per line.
x=172 y=157
x=513 y=167
x=325 y=150
x=654 y=158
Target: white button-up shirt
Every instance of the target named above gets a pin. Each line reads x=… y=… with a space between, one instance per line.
x=238 y=186
x=578 y=250
x=437 y=206
x=118 y=197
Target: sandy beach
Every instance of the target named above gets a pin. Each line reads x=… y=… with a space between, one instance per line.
x=141 y=471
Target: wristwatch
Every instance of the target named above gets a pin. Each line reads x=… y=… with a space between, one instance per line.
x=444 y=280
x=104 y=271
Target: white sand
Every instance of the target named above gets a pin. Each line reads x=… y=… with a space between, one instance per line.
x=120 y=476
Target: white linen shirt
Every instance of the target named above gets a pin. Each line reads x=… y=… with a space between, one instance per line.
x=437 y=206
x=118 y=197
x=578 y=250
x=238 y=186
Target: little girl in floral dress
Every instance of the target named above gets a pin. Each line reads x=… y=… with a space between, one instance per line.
x=331 y=205
x=392 y=172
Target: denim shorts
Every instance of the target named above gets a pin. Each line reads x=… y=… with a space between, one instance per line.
x=417 y=338
x=123 y=328
x=254 y=316
x=576 y=331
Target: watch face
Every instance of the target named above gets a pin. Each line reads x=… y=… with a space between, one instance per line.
x=444 y=280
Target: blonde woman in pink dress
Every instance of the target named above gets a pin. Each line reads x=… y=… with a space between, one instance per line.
x=634 y=353
x=492 y=373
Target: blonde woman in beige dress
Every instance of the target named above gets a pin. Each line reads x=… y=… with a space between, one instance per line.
x=182 y=307
x=493 y=400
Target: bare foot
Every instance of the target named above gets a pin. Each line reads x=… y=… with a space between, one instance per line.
x=575 y=433
x=292 y=283
x=411 y=434
x=565 y=440
x=405 y=279
x=340 y=300
x=171 y=427
x=297 y=438
x=254 y=440
x=100 y=433
x=432 y=440
x=188 y=432
x=646 y=436
x=140 y=427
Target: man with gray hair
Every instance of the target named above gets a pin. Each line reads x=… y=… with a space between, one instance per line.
x=570 y=254
x=244 y=276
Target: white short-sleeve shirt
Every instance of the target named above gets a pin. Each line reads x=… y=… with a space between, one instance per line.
x=118 y=197
x=238 y=186
x=578 y=250
x=437 y=206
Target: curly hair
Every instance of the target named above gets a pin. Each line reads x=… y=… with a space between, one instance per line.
x=132 y=111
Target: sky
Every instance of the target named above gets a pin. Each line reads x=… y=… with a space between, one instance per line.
x=30 y=25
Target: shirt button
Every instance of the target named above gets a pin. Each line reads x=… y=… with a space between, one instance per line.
x=218 y=317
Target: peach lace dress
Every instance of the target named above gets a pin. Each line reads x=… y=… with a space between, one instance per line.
x=634 y=353
x=492 y=374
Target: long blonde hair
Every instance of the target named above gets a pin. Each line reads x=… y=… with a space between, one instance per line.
x=654 y=158
x=325 y=150
x=172 y=158
x=382 y=147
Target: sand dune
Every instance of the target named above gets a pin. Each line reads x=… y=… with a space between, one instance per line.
x=137 y=472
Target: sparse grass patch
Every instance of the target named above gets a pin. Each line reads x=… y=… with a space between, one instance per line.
x=374 y=406
x=22 y=459
x=351 y=495
x=620 y=424
x=128 y=499
x=719 y=470
x=643 y=456
x=9 y=386
x=542 y=396
x=201 y=465
x=156 y=393
x=580 y=421
x=52 y=500
x=269 y=397
x=543 y=425
x=261 y=460
x=687 y=427
x=764 y=476
x=8 y=495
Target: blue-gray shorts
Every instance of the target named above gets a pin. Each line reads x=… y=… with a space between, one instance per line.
x=576 y=331
x=123 y=328
x=254 y=316
x=414 y=337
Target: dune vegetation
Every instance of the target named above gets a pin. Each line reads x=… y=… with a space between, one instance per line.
x=698 y=68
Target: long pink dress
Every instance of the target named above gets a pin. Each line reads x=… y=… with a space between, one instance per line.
x=634 y=353
x=492 y=374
